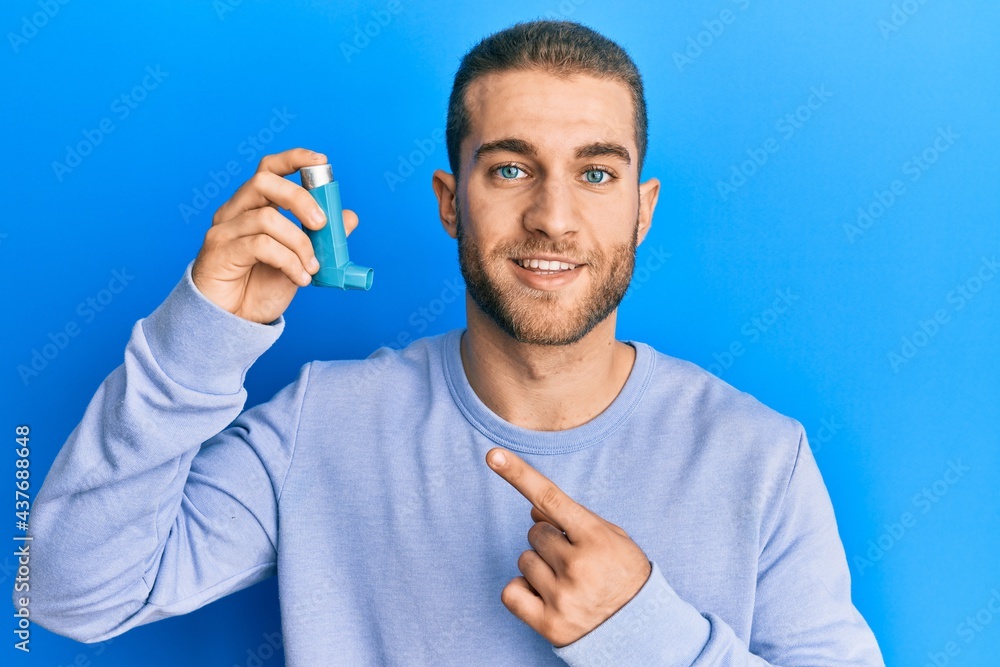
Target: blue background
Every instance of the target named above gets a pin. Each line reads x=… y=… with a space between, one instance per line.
x=883 y=432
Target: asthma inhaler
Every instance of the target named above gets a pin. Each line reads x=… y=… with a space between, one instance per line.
x=330 y=242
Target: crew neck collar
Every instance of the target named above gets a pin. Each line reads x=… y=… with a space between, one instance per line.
x=530 y=441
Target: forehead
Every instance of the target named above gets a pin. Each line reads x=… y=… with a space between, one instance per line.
x=545 y=108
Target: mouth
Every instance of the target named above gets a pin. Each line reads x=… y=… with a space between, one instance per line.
x=546 y=275
x=545 y=267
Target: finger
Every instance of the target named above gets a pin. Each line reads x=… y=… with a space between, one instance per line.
x=551 y=545
x=249 y=250
x=537 y=515
x=266 y=188
x=537 y=572
x=274 y=224
x=290 y=161
x=350 y=221
x=522 y=601
x=565 y=513
x=281 y=164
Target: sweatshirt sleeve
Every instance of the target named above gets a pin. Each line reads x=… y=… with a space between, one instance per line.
x=164 y=497
x=803 y=614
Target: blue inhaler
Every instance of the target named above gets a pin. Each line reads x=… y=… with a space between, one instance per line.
x=330 y=242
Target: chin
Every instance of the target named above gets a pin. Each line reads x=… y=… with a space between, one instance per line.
x=541 y=325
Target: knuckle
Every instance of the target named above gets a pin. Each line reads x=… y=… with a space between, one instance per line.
x=560 y=600
x=250 y=221
x=259 y=243
x=267 y=216
x=265 y=163
x=211 y=238
x=599 y=539
x=551 y=498
x=217 y=238
x=257 y=180
x=573 y=568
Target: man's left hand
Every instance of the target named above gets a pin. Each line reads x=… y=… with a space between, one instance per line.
x=581 y=570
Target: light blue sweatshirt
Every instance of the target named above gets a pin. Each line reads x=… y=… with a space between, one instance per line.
x=363 y=486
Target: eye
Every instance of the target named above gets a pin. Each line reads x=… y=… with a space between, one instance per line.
x=508 y=172
x=597 y=176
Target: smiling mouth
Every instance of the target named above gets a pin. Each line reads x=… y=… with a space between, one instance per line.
x=545 y=267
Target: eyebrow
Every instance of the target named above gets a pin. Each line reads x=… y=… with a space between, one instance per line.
x=528 y=149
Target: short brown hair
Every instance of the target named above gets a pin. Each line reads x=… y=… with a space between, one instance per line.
x=563 y=48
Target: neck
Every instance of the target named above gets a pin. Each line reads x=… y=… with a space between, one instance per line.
x=544 y=387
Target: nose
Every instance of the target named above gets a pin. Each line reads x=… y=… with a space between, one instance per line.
x=553 y=210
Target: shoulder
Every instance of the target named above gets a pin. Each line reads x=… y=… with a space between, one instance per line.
x=386 y=367
x=735 y=423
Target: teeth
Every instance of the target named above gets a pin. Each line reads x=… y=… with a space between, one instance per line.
x=545 y=265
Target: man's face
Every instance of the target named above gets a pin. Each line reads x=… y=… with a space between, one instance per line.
x=549 y=170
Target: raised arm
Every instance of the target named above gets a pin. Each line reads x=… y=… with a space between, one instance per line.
x=159 y=502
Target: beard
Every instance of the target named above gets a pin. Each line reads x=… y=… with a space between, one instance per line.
x=540 y=317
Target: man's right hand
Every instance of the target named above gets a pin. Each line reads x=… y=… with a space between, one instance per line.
x=254 y=258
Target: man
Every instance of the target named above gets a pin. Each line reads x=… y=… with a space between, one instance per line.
x=672 y=520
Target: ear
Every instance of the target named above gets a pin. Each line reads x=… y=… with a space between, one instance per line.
x=444 y=188
x=648 y=193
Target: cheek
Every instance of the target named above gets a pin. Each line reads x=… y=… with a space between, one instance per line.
x=485 y=215
x=490 y=215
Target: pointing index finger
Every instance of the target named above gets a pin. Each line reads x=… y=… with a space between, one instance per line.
x=569 y=516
